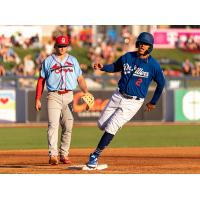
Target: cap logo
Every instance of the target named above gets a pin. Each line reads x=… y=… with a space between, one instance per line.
x=63 y=40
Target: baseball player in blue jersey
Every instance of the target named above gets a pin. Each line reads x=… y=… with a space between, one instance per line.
x=137 y=69
x=62 y=74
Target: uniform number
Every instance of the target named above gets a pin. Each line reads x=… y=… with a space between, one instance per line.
x=138 y=82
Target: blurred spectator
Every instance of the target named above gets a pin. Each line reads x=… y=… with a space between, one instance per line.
x=40 y=57
x=74 y=32
x=2 y=70
x=107 y=51
x=190 y=44
x=85 y=36
x=18 y=40
x=129 y=45
x=174 y=73
x=197 y=65
x=2 y=39
x=7 y=54
x=48 y=47
x=125 y=34
x=111 y=35
x=60 y=30
x=18 y=70
x=187 y=67
x=34 y=42
x=29 y=65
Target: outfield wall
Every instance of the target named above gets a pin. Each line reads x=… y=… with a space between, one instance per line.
x=178 y=105
x=25 y=111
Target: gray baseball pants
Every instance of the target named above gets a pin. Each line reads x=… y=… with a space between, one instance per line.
x=60 y=108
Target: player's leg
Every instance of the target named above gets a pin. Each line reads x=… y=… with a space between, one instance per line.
x=109 y=110
x=104 y=142
x=106 y=115
x=66 y=122
x=54 y=110
x=128 y=108
x=126 y=111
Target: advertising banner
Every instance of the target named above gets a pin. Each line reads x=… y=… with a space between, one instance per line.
x=80 y=114
x=169 y=38
x=7 y=106
x=187 y=105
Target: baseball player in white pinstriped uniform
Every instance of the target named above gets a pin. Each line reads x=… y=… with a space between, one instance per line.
x=138 y=69
x=62 y=74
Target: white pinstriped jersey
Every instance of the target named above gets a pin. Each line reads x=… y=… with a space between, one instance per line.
x=60 y=75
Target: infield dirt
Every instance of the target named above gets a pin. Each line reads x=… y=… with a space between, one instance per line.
x=170 y=160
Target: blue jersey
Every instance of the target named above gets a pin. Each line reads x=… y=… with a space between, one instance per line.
x=137 y=74
x=60 y=75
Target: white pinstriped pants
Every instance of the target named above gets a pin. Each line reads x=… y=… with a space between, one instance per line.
x=117 y=112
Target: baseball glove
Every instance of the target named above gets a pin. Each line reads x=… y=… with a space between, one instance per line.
x=88 y=98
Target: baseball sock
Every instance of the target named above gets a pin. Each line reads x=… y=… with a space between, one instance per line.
x=105 y=140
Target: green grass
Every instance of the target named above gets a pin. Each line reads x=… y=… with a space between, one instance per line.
x=23 y=52
x=159 y=136
x=81 y=55
x=22 y=138
x=83 y=137
x=174 y=54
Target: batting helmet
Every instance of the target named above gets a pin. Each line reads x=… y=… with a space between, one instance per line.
x=145 y=37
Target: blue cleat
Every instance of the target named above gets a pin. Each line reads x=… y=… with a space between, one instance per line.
x=93 y=162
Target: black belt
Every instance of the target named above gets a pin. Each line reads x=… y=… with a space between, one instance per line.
x=126 y=96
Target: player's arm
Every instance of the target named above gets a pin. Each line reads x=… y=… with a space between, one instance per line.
x=160 y=80
x=82 y=84
x=40 y=87
x=80 y=79
x=39 y=91
x=110 y=68
x=87 y=97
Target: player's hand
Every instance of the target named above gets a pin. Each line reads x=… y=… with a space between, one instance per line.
x=97 y=66
x=149 y=107
x=38 y=105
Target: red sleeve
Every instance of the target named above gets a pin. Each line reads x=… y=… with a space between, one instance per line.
x=40 y=87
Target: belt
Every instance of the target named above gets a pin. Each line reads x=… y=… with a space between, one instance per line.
x=126 y=96
x=62 y=91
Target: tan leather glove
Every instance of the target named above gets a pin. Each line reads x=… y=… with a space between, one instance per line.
x=88 y=98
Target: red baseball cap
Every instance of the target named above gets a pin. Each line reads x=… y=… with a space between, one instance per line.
x=62 y=41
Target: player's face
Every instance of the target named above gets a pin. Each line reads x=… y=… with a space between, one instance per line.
x=143 y=47
x=61 y=50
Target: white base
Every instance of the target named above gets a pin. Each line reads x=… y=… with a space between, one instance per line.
x=84 y=167
x=99 y=167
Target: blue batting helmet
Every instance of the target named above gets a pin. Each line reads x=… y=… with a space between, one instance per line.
x=146 y=38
